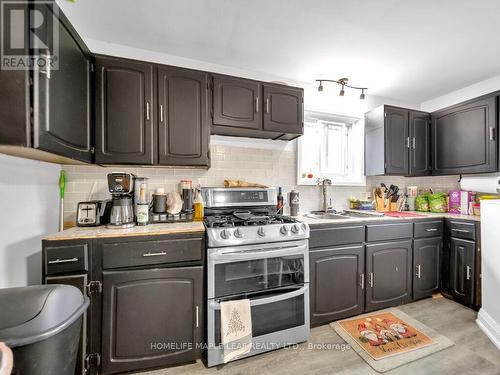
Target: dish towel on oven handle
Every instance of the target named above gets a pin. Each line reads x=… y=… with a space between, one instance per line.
x=236 y=328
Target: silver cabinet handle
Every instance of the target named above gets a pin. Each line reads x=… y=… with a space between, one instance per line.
x=407 y=143
x=69 y=260
x=492 y=134
x=197 y=317
x=150 y=254
x=418 y=270
x=257 y=104
x=267 y=105
x=161 y=112
x=414 y=143
x=431 y=230
x=362 y=281
x=371 y=279
x=468 y=272
x=147 y=111
x=47 y=70
x=461 y=230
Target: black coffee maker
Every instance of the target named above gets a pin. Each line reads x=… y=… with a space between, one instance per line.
x=121 y=187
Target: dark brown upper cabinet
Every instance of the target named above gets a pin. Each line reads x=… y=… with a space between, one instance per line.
x=246 y=108
x=283 y=109
x=184 y=129
x=464 y=137
x=53 y=113
x=397 y=142
x=237 y=103
x=420 y=144
x=124 y=111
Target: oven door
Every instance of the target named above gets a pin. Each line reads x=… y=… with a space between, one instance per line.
x=279 y=317
x=245 y=269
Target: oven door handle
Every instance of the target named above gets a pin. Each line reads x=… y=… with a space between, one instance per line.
x=265 y=300
x=261 y=254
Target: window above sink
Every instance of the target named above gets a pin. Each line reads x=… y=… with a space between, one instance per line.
x=332 y=147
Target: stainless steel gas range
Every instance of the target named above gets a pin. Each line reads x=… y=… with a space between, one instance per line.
x=254 y=253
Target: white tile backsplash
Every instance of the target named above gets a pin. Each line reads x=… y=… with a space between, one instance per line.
x=265 y=166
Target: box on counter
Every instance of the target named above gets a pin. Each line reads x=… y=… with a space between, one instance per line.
x=459 y=201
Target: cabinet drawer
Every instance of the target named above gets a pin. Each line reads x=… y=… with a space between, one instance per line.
x=66 y=258
x=333 y=236
x=129 y=254
x=461 y=229
x=429 y=229
x=383 y=232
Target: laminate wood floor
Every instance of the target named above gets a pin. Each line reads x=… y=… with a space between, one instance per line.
x=472 y=353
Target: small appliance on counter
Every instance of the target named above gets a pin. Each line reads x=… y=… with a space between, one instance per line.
x=121 y=187
x=93 y=213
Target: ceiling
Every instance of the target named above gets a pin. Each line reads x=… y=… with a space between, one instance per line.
x=407 y=50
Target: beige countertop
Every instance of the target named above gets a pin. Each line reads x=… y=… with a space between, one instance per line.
x=147 y=230
x=424 y=216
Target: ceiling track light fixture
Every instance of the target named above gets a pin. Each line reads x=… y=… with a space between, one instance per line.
x=343 y=82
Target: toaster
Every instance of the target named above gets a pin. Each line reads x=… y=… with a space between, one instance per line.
x=93 y=213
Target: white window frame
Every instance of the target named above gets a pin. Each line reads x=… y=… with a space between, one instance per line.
x=354 y=153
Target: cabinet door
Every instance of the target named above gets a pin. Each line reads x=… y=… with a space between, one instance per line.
x=389 y=274
x=426 y=266
x=463 y=138
x=337 y=283
x=237 y=103
x=80 y=282
x=184 y=129
x=124 y=114
x=61 y=100
x=396 y=141
x=420 y=141
x=283 y=109
x=462 y=270
x=151 y=318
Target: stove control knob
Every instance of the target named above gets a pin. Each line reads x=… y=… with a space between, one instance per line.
x=261 y=232
x=225 y=234
x=238 y=233
x=284 y=230
x=295 y=228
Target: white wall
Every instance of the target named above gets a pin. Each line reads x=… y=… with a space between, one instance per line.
x=466 y=93
x=29 y=198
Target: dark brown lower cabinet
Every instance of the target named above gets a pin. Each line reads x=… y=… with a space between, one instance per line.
x=426 y=266
x=337 y=278
x=151 y=317
x=389 y=274
x=462 y=270
x=80 y=282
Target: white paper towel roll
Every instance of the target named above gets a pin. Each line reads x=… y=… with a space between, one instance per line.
x=481 y=183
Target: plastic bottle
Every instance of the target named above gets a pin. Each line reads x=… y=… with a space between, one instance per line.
x=279 y=206
x=199 y=212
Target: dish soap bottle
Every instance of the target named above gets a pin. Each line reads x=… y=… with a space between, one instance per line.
x=199 y=211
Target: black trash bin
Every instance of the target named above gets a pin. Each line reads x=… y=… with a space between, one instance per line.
x=41 y=324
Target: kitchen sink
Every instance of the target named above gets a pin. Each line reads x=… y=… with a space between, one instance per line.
x=327 y=215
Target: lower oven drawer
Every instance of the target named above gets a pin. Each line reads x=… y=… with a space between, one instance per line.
x=271 y=312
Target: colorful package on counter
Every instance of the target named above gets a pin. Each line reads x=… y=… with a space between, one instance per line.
x=422 y=202
x=459 y=202
x=437 y=202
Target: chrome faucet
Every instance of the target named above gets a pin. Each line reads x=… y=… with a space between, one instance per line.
x=324 y=182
